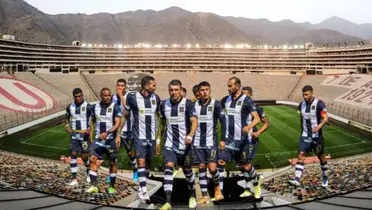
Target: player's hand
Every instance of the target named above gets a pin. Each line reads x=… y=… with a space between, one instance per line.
x=117 y=141
x=157 y=147
x=255 y=135
x=87 y=131
x=103 y=136
x=222 y=145
x=247 y=128
x=188 y=140
x=316 y=129
x=68 y=129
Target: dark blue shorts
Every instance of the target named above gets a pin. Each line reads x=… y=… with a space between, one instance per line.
x=79 y=142
x=312 y=144
x=245 y=155
x=205 y=155
x=99 y=148
x=126 y=140
x=144 y=149
x=179 y=158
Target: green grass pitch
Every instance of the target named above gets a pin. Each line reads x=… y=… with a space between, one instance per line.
x=278 y=144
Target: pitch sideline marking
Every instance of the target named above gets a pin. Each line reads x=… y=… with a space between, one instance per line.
x=32 y=137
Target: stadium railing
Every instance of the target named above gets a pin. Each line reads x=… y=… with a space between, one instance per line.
x=17 y=121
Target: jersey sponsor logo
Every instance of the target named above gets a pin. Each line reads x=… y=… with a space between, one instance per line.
x=20 y=96
x=147 y=111
x=205 y=118
x=233 y=111
x=176 y=120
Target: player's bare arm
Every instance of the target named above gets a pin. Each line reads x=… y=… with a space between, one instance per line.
x=160 y=134
x=194 y=126
x=92 y=125
x=265 y=126
x=324 y=120
x=256 y=120
x=67 y=124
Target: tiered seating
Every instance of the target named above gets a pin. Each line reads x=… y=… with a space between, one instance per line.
x=344 y=175
x=52 y=178
x=266 y=87
x=11 y=118
x=66 y=83
x=99 y=81
x=328 y=94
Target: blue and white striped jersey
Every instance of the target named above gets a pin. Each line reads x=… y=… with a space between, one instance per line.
x=311 y=117
x=79 y=115
x=105 y=118
x=237 y=113
x=129 y=120
x=178 y=122
x=208 y=116
x=144 y=110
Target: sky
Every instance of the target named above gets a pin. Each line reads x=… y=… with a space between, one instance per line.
x=313 y=11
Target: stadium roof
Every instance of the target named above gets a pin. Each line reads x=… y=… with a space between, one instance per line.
x=28 y=199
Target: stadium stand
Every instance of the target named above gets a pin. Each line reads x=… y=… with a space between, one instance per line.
x=66 y=83
x=332 y=89
x=345 y=175
x=51 y=177
x=22 y=56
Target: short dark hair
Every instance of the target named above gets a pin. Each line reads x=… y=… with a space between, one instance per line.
x=204 y=83
x=184 y=89
x=195 y=89
x=307 y=88
x=249 y=89
x=105 y=89
x=76 y=91
x=236 y=80
x=145 y=80
x=175 y=82
x=121 y=80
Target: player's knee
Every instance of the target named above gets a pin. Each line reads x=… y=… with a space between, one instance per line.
x=85 y=156
x=221 y=162
x=93 y=159
x=141 y=163
x=202 y=165
x=301 y=156
x=212 y=168
x=247 y=166
x=113 y=163
x=130 y=154
x=169 y=164
x=321 y=157
x=73 y=154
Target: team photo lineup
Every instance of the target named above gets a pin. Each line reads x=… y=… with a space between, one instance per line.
x=185 y=133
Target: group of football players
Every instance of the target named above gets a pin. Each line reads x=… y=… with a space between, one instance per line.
x=140 y=121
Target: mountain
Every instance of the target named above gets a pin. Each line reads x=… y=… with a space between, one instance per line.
x=346 y=27
x=168 y=26
x=27 y=23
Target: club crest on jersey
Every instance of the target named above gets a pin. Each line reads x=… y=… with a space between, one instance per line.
x=153 y=102
x=239 y=103
x=182 y=109
x=210 y=108
x=142 y=111
x=109 y=110
x=313 y=107
x=83 y=109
